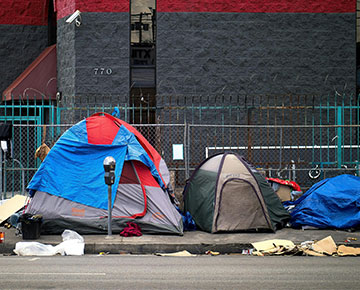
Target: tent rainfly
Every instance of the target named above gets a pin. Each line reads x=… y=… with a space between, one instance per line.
x=69 y=191
x=226 y=193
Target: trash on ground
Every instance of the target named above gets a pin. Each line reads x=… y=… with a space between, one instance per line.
x=348 y=251
x=350 y=239
x=247 y=251
x=72 y=245
x=34 y=249
x=212 y=253
x=324 y=247
x=176 y=254
x=273 y=247
x=103 y=253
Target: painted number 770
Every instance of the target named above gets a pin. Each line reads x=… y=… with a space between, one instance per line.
x=102 y=71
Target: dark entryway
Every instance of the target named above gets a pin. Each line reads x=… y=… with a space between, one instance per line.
x=143 y=60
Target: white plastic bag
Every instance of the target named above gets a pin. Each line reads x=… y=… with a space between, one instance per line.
x=71 y=235
x=72 y=245
x=34 y=249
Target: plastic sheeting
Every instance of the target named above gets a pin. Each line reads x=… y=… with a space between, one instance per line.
x=73 y=245
x=330 y=203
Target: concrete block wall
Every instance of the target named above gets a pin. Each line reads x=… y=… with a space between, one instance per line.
x=93 y=58
x=263 y=47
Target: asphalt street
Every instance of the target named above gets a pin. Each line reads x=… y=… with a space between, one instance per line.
x=200 y=272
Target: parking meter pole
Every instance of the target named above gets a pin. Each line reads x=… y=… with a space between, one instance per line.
x=109 y=211
x=109 y=167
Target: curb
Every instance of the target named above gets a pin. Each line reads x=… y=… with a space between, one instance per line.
x=146 y=249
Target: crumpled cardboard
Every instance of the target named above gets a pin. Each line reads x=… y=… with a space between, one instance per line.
x=176 y=254
x=348 y=251
x=273 y=247
x=325 y=246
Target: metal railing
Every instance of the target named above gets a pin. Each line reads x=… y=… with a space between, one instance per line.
x=304 y=138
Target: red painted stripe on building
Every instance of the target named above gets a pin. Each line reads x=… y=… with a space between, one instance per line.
x=24 y=12
x=67 y=7
x=35 y=12
x=258 y=6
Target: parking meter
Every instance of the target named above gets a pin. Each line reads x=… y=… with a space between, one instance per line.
x=109 y=167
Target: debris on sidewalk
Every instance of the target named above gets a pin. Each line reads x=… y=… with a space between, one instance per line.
x=348 y=251
x=212 y=253
x=247 y=251
x=176 y=254
x=350 y=239
x=72 y=245
x=103 y=253
x=274 y=247
x=324 y=247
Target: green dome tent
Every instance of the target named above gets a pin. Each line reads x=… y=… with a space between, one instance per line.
x=226 y=193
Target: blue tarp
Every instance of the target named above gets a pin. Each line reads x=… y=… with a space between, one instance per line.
x=74 y=170
x=330 y=203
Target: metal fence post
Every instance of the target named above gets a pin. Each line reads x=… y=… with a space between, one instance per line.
x=186 y=155
x=339 y=137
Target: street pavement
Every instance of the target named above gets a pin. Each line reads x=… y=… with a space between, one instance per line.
x=195 y=242
x=200 y=272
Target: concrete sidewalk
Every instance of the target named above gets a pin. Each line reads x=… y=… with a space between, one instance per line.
x=196 y=242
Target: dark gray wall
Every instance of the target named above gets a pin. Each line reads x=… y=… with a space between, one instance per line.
x=255 y=53
x=20 y=45
x=93 y=61
x=102 y=54
x=65 y=49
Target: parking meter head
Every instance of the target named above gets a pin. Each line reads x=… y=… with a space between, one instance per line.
x=109 y=167
x=109 y=164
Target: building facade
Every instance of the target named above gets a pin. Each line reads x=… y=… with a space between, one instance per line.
x=121 y=49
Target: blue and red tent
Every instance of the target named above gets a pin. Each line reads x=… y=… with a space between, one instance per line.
x=69 y=189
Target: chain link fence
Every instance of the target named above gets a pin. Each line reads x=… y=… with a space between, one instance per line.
x=305 y=154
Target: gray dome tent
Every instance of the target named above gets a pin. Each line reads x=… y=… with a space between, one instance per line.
x=226 y=193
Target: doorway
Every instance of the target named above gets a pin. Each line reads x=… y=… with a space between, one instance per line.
x=143 y=61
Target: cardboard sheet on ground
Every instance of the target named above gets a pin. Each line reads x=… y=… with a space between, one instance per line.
x=325 y=246
x=348 y=251
x=270 y=245
x=11 y=206
x=176 y=254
